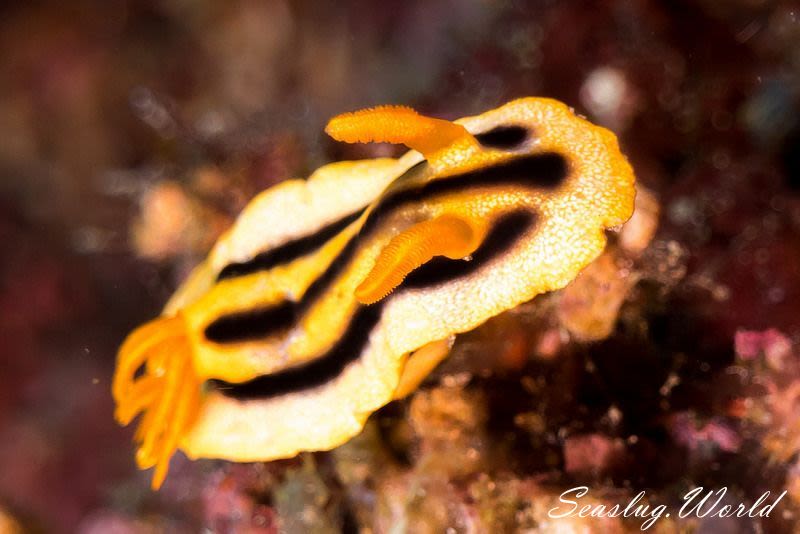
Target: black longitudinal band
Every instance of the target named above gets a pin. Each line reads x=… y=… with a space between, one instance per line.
x=542 y=171
x=297 y=248
x=248 y=325
x=288 y=251
x=502 y=236
x=504 y=137
x=313 y=373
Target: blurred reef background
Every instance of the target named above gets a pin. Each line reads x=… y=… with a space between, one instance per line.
x=133 y=132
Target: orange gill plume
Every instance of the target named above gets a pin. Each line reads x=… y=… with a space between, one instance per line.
x=167 y=393
x=452 y=236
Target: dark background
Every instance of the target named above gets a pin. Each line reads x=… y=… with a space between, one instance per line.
x=133 y=132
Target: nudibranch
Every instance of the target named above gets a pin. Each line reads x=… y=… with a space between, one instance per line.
x=329 y=297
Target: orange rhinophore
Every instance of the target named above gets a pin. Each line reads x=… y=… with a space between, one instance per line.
x=450 y=236
x=401 y=125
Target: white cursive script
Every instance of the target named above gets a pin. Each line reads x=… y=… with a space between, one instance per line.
x=697 y=503
x=708 y=505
